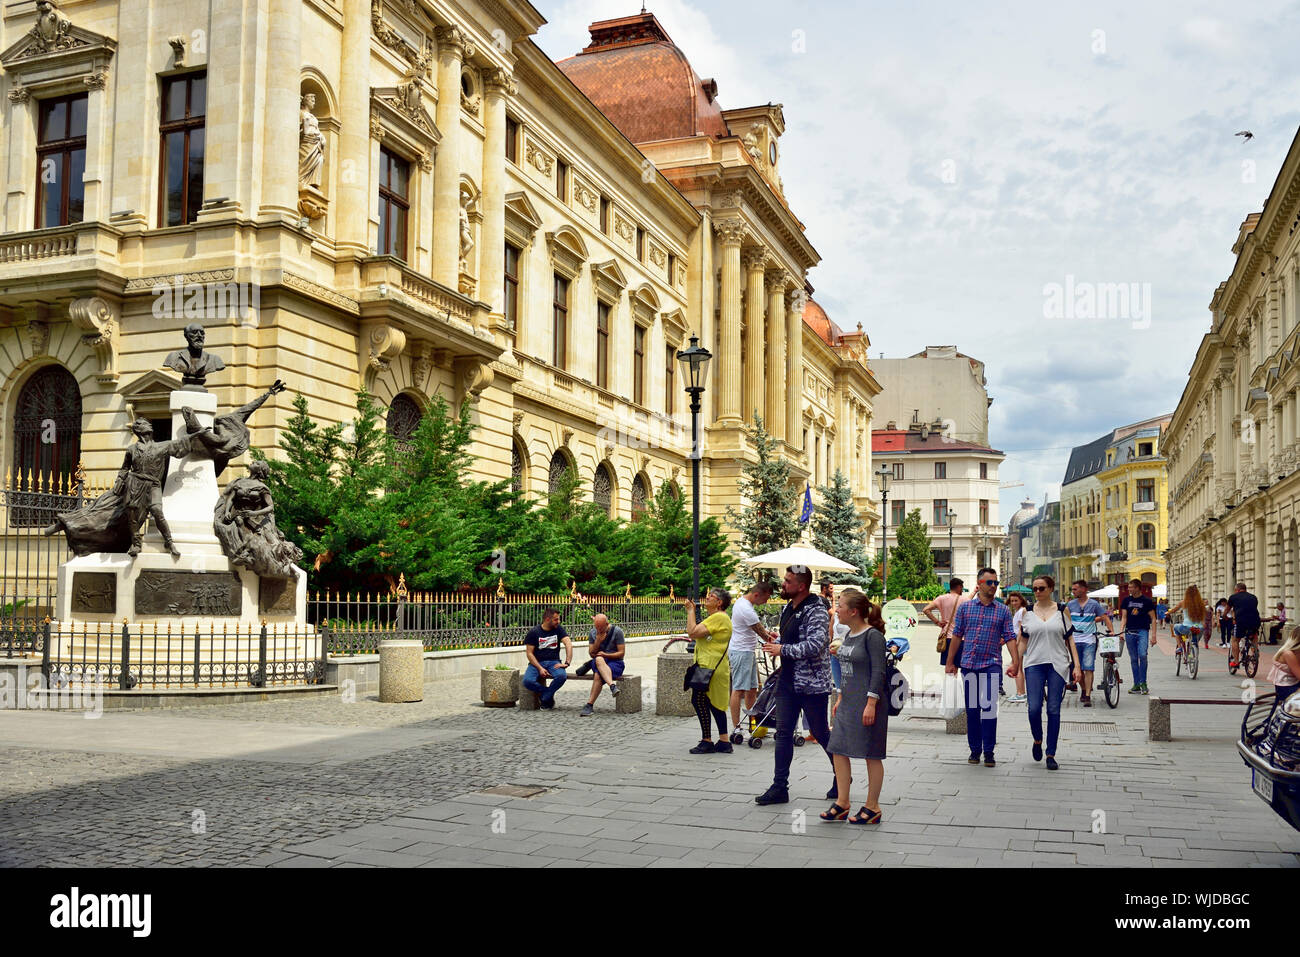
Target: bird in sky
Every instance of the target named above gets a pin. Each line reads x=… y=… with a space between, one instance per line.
x=1246 y=134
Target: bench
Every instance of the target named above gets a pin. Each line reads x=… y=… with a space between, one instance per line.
x=1158 y=724
x=627 y=702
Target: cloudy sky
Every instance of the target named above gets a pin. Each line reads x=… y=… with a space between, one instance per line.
x=952 y=161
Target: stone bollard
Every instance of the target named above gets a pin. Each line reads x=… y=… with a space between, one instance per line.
x=1159 y=726
x=629 y=695
x=401 y=671
x=670 y=699
x=955 y=725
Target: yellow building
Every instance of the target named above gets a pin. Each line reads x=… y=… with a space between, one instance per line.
x=1135 y=504
x=411 y=199
x=1234 y=440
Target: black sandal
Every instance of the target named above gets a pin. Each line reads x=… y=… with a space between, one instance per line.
x=834 y=813
x=872 y=817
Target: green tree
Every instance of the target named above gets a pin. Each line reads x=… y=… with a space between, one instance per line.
x=769 y=519
x=911 y=564
x=668 y=537
x=838 y=530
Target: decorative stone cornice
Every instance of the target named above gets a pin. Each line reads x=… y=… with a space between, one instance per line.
x=53 y=42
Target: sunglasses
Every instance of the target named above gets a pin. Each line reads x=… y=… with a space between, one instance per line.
x=1041 y=588
x=989 y=581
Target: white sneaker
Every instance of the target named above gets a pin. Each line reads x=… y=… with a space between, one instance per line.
x=1015 y=698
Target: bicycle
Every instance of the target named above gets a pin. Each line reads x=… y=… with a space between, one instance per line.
x=1110 y=648
x=1188 y=652
x=1249 y=657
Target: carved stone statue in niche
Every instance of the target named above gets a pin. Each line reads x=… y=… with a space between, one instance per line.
x=244 y=521
x=466 y=233
x=311 y=143
x=113 y=521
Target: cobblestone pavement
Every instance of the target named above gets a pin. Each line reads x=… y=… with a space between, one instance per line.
x=319 y=782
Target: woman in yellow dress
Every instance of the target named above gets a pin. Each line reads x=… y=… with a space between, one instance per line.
x=711 y=637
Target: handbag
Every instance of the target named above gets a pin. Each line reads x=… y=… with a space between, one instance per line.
x=698 y=678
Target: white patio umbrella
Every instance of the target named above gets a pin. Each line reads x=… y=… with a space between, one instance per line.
x=800 y=555
x=1110 y=591
x=1160 y=591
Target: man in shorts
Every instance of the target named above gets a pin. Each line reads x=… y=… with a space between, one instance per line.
x=606 y=646
x=1085 y=614
x=747 y=633
x=943 y=612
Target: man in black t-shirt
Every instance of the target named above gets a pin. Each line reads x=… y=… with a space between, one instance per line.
x=1138 y=621
x=542 y=646
x=1245 y=619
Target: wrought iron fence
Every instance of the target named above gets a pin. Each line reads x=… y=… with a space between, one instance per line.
x=454 y=620
x=158 y=656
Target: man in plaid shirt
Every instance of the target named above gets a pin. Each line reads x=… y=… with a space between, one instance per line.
x=981 y=628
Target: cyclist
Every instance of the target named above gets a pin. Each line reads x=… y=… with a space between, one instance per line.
x=1245 y=619
x=1192 y=624
x=1138 y=622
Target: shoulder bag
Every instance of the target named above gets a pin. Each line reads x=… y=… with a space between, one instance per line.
x=698 y=678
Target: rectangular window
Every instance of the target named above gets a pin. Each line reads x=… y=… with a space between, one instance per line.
x=638 y=365
x=602 y=345
x=604 y=215
x=897 y=512
x=941 y=557
x=560 y=323
x=984 y=511
x=640 y=244
x=1146 y=491
x=672 y=270
x=512 y=139
x=817 y=460
x=898 y=470
x=562 y=180
x=61 y=161
x=1145 y=448
x=941 y=470
x=984 y=470
x=940 y=512
x=394 y=205
x=670 y=391
x=184 y=105
x=511 y=306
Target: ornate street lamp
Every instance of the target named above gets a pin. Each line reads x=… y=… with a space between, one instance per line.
x=952 y=557
x=695 y=369
x=883 y=475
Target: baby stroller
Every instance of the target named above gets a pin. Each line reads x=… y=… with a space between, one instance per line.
x=761 y=718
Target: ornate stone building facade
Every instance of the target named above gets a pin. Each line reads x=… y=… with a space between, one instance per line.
x=406 y=197
x=1234 y=440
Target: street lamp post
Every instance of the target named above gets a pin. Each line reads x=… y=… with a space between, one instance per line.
x=952 y=557
x=695 y=369
x=883 y=475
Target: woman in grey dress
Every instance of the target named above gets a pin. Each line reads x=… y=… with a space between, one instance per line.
x=862 y=666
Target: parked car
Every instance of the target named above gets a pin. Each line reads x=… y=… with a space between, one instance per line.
x=1270 y=746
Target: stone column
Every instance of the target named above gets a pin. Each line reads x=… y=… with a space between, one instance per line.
x=732 y=234
x=777 y=281
x=351 y=194
x=491 y=269
x=279 y=173
x=453 y=47
x=755 y=264
x=794 y=374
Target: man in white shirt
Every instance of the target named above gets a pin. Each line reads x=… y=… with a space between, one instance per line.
x=747 y=633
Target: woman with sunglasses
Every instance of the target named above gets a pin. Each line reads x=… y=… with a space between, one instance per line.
x=1017 y=605
x=1047 y=648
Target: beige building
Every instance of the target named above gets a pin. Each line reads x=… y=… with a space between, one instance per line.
x=1234 y=441
x=408 y=198
x=939 y=386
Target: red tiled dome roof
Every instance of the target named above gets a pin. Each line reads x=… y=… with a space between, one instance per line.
x=816 y=318
x=634 y=74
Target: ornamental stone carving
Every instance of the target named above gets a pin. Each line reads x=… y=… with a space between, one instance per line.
x=452 y=41
x=178 y=50
x=19 y=95
x=95 y=81
x=52 y=31
x=585 y=196
x=98 y=320
x=540 y=159
x=384 y=344
x=38 y=331
x=311 y=143
x=499 y=81
x=657 y=256
x=755 y=258
x=421 y=59
x=731 y=232
x=623 y=228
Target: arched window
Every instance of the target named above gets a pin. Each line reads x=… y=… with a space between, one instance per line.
x=1146 y=536
x=403 y=419
x=516 y=468
x=639 y=495
x=560 y=468
x=47 y=429
x=602 y=485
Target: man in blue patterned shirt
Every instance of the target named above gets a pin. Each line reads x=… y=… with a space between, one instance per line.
x=981 y=628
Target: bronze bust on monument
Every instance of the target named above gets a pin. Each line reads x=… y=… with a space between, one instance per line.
x=192 y=362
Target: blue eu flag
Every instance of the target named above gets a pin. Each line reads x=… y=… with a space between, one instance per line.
x=807 y=505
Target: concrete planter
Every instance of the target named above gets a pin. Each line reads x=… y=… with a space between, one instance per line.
x=499 y=687
x=670 y=699
x=401 y=671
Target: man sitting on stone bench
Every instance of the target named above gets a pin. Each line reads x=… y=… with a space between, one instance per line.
x=606 y=645
x=542 y=646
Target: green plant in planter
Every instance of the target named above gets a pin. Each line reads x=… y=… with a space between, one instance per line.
x=501 y=667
